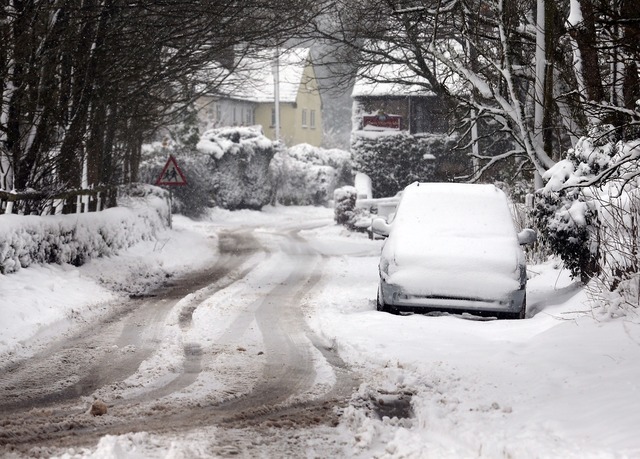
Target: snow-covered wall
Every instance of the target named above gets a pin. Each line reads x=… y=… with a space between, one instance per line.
x=76 y=238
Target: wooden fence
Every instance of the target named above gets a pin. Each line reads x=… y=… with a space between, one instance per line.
x=61 y=202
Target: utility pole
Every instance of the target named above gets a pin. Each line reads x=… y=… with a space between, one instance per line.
x=276 y=92
x=539 y=98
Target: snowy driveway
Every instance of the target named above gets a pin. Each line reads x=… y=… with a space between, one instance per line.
x=275 y=350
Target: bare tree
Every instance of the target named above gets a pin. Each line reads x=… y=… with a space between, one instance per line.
x=82 y=83
x=511 y=64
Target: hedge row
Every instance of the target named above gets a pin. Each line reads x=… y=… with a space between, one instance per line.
x=74 y=239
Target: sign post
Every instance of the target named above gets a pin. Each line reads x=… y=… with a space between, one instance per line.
x=171 y=176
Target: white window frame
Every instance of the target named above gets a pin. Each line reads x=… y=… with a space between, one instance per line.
x=304 y=117
x=312 y=119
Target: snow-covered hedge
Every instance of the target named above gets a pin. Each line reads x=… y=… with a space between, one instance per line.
x=307 y=175
x=588 y=211
x=240 y=176
x=566 y=222
x=229 y=168
x=76 y=238
x=393 y=160
x=190 y=200
x=345 y=211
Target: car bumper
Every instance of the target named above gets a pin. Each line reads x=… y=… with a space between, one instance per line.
x=393 y=296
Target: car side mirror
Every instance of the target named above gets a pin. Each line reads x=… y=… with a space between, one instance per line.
x=527 y=236
x=380 y=226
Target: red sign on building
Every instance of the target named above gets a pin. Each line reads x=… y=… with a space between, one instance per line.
x=382 y=120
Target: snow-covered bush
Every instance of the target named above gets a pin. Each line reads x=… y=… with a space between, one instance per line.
x=76 y=238
x=240 y=158
x=345 y=211
x=393 y=159
x=618 y=282
x=344 y=204
x=616 y=288
x=619 y=234
x=195 y=197
x=588 y=210
x=566 y=221
x=229 y=169
x=307 y=175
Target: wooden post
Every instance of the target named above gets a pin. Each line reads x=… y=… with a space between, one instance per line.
x=170 y=207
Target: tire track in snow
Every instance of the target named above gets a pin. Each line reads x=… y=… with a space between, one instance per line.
x=280 y=398
x=113 y=349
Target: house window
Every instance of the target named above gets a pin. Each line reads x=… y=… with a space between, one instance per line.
x=249 y=117
x=273 y=117
x=235 y=119
x=218 y=113
x=304 y=117
x=312 y=119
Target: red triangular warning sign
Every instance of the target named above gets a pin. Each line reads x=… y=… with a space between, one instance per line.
x=171 y=174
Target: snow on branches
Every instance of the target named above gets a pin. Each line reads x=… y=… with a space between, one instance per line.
x=589 y=210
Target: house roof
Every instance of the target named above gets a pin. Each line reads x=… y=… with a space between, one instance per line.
x=391 y=71
x=253 y=79
x=388 y=73
x=389 y=80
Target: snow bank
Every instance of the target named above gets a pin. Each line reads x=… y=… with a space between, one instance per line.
x=76 y=238
x=41 y=303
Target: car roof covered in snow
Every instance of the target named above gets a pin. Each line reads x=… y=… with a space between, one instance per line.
x=455 y=208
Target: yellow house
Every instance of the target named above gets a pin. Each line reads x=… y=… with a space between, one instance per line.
x=249 y=97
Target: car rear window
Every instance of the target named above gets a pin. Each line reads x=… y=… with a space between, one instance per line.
x=456 y=209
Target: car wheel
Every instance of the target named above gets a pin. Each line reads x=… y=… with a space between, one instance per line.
x=380 y=306
x=520 y=314
x=523 y=309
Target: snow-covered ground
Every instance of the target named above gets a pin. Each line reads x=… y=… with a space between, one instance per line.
x=563 y=383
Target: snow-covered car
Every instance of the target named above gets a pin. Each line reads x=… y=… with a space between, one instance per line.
x=453 y=247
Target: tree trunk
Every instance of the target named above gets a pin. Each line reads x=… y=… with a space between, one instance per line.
x=584 y=34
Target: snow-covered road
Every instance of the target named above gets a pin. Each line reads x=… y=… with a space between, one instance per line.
x=248 y=359
x=272 y=348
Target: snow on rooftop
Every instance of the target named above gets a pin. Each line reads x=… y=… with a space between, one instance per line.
x=389 y=77
x=390 y=80
x=395 y=74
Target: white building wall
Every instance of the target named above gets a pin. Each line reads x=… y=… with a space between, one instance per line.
x=215 y=113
